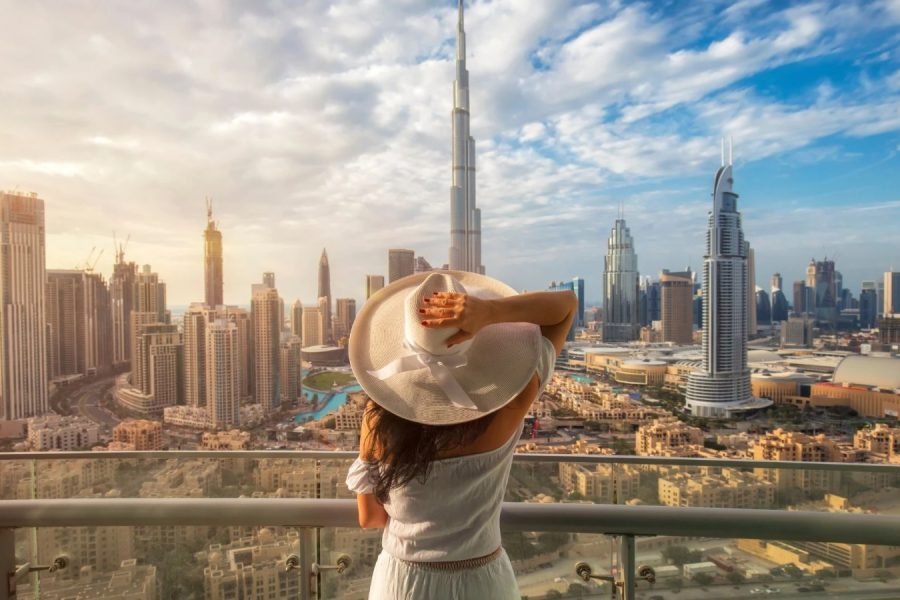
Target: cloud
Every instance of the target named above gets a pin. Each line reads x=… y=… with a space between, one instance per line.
x=327 y=124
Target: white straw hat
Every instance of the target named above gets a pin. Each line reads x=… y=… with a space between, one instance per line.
x=408 y=370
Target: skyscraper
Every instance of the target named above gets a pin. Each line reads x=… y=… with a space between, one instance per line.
x=150 y=294
x=121 y=298
x=157 y=368
x=751 y=291
x=422 y=266
x=620 y=287
x=723 y=381
x=23 y=352
x=763 y=307
x=266 y=342
x=677 y=305
x=289 y=353
x=223 y=381
x=313 y=326
x=373 y=284
x=892 y=293
x=824 y=287
x=779 y=305
x=804 y=299
x=346 y=315
x=297 y=319
x=325 y=292
x=570 y=286
x=868 y=305
x=212 y=261
x=79 y=326
x=777 y=281
x=197 y=318
x=465 y=217
x=269 y=279
x=401 y=263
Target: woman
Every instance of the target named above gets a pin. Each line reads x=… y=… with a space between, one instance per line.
x=452 y=362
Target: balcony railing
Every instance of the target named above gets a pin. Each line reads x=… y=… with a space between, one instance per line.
x=309 y=533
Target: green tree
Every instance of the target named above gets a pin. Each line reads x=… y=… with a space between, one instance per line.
x=735 y=578
x=703 y=578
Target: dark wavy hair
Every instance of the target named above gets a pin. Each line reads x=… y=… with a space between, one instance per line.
x=407 y=449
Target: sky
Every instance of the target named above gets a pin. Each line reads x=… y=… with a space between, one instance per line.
x=327 y=125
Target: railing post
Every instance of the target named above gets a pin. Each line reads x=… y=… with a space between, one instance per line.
x=7 y=563
x=628 y=566
x=308 y=580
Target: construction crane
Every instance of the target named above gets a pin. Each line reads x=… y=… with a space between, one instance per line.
x=120 y=248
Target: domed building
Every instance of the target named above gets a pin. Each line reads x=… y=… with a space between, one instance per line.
x=869 y=385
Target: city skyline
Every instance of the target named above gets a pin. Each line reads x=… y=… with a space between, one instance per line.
x=552 y=168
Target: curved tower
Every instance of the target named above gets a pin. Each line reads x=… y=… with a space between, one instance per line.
x=723 y=382
x=465 y=217
x=621 y=319
x=325 y=292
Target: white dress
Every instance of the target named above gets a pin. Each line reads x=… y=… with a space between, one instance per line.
x=454 y=515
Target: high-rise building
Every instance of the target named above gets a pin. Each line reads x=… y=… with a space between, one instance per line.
x=196 y=320
x=465 y=217
x=313 y=326
x=779 y=306
x=422 y=265
x=269 y=279
x=620 y=287
x=762 y=307
x=401 y=263
x=751 y=291
x=346 y=315
x=892 y=293
x=677 y=306
x=868 y=305
x=222 y=353
x=23 y=352
x=578 y=288
x=325 y=292
x=568 y=286
x=241 y=318
x=212 y=260
x=804 y=299
x=297 y=319
x=121 y=298
x=157 y=372
x=373 y=284
x=797 y=331
x=266 y=342
x=649 y=302
x=825 y=289
x=79 y=323
x=150 y=294
x=777 y=281
x=879 y=297
x=289 y=354
x=722 y=384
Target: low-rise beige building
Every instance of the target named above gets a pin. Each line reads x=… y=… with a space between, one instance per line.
x=252 y=568
x=141 y=433
x=130 y=581
x=663 y=436
x=797 y=447
x=602 y=483
x=880 y=442
x=234 y=439
x=707 y=488
x=54 y=432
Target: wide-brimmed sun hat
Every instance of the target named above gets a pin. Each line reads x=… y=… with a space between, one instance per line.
x=407 y=368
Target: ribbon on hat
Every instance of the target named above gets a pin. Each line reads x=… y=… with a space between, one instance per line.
x=439 y=365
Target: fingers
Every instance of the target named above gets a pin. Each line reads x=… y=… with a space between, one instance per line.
x=435 y=312
x=443 y=322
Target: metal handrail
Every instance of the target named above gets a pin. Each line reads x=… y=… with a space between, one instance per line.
x=718 y=523
x=519 y=458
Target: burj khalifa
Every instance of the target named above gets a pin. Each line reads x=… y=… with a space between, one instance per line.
x=465 y=217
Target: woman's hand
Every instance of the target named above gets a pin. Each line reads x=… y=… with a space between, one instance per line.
x=469 y=314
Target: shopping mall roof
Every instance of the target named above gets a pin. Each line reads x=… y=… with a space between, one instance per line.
x=872 y=371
